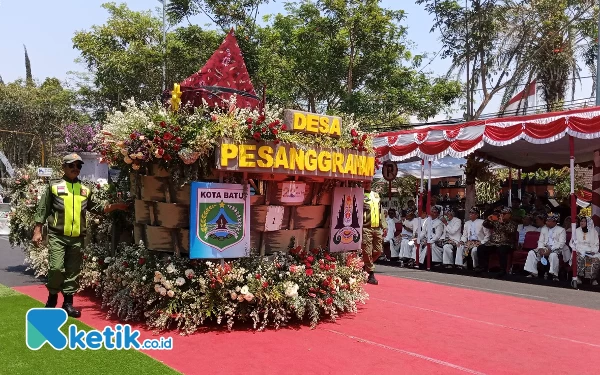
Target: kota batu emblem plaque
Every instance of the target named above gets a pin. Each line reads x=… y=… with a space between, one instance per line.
x=219 y=221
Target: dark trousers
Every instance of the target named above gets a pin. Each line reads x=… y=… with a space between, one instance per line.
x=484 y=251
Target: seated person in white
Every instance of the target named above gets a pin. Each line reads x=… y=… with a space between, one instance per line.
x=409 y=233
x=437 y=233
x=452 y=234
x=552 y=243
x=585 y=242
x=524 y=228
x=393 y=235
x=474 y=234
x=540 y=222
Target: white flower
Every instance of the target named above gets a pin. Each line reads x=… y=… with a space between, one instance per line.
x=352 y=281
x=107 y=259
x=94 y=259
x=167 y=284
x=248 y=297
x=244 y=289
x=180 y=281
x=171 y=268
x=162 y=291
x=233 y=296
x=157 y=288
x=170 y=293
x=144 y=278
x=124 y=283
x=291 y=289
x=237 y=289
x=189 y=273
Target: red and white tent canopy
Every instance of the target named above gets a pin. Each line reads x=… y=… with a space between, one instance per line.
x=527 y=142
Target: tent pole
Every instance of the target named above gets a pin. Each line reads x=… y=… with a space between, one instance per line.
x=519 y=194
x=573 y=202
x=420 y=210
x=429 y=218
x=509 y=187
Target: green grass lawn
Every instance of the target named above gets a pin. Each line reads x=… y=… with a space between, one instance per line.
x=16 y=358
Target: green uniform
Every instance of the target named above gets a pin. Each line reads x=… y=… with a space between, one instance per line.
x=64 y=206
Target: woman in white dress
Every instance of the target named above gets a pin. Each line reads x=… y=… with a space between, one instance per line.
x=585 y=242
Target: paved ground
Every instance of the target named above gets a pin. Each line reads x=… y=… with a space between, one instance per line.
x=12 y=273
x=514 y=285
x=12 y=269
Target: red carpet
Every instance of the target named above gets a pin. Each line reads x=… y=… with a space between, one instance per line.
x=406 y=327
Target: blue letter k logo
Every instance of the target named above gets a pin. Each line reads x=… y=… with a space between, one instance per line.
x=43 y=325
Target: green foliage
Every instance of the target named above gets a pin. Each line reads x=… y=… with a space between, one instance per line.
x=347 y=57
x=125 y=57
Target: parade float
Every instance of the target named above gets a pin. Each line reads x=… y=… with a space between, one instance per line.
x=240 y=211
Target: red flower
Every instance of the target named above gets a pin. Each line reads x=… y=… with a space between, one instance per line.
x=364 y=137
x=276 y=141
x=315 y=251
x=274 y=131
x=167 y=157
x=213 y=117
x=167 y=136
x=256 y=136
x=264 y=130
x=310 y=259
x=177 y=128
x=178 y=140
x=249 y=127
x=141 y=261
x=332 y=266
x=329 y=301
x=257 y=276
x=125 y=264
x=249 y=121
x=283 y=127
x=309 y=272
x=354 y=132
x=132 y=136
x=161 y=151
x=176 y=147
x=162 y=124
x=265 y=284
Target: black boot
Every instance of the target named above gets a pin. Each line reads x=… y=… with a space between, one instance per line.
x=68 y=307
x=372 y=279
x=52 y=300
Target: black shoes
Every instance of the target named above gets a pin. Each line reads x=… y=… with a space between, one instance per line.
x=52 y=300
x=372 y=279
x=68 y=307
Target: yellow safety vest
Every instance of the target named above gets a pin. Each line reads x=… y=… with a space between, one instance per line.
x=371 y=210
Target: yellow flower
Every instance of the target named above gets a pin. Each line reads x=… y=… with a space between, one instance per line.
x=175 y=97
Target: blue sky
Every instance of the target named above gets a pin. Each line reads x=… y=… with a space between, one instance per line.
x=48 y=27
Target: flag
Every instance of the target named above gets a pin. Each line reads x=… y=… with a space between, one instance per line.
x=516 y=105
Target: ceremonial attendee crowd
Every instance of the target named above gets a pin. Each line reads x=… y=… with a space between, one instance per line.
x=467 y=240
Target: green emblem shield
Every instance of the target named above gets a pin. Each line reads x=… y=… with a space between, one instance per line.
x=221 y=225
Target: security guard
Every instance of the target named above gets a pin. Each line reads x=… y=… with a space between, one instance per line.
x=64 y=205
x=372 y=243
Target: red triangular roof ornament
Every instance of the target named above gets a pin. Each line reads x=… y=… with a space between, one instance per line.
x=223 y=75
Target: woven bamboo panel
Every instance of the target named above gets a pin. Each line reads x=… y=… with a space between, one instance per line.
x=159 y=239
x=144 y=212
x=258 y=217
x=280 y=240
x=318 y=237
x=153 y=188
x=184 y=240
x=172 y=215
x=308 y=217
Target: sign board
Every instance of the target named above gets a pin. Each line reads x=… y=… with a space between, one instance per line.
x=312 y=123
x=292 y=191
x=389 y=171
x=44 y=172
x=346 y=232
x=268 y=157
x=219 y=221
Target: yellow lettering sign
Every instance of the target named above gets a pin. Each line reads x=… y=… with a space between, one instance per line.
x=289 y=160
x=312 y=123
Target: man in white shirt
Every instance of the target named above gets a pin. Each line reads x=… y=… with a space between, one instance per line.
x=551 y=245
x=435 y=238
x=474 y=235
x=524 y=228
x=452 y=227
x=410 y=227
x=392 y=236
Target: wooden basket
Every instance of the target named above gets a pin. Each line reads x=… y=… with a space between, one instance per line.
x=153 y=188
x=172 y=215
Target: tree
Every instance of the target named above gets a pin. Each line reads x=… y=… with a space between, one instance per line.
x=124 y=57
x=347 y=56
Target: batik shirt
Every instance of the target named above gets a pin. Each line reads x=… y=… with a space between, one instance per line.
x=502 y=233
